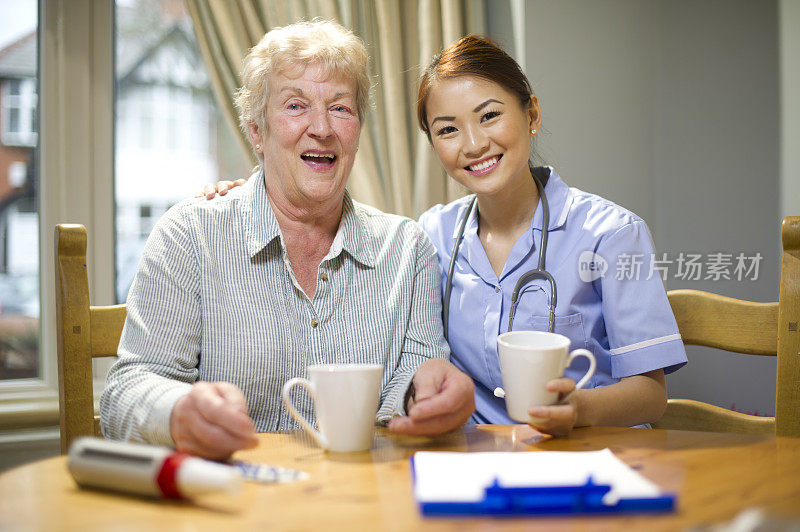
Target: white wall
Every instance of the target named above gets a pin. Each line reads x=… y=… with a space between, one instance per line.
x=789 y=17
x=590 y=64
x=717 y=168
x=671 y=109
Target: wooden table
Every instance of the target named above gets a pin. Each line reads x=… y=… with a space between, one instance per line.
x=715 y=476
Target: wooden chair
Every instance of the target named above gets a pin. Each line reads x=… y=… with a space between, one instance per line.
x=84 y=332
x=734 y=325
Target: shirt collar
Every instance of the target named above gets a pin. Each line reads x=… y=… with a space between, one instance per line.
x=559 y=199
x=353 y=235
x=261 y=227
x=259 y=221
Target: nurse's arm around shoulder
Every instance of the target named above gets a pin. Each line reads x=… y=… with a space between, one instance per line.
x=632 y=401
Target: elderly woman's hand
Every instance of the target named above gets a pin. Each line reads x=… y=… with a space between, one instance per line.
x=211 y=421
x=443 y=401
x=221 y=188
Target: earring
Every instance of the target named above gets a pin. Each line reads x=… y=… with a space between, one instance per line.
x=258 y=146
x=533 y=131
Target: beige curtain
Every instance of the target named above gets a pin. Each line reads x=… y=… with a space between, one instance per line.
x=395 y=169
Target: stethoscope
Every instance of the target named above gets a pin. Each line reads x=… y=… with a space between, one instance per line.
x=527 y=276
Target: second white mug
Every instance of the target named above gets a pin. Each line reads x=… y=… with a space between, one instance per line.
x=345 y=400
x=528 y=359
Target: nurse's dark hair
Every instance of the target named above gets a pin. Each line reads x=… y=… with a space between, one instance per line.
x=477 y=56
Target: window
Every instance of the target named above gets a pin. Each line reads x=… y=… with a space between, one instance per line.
x=19 y=217
x=18 y=96
x=130 y=139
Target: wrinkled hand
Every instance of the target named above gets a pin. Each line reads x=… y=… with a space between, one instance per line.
x=561 y=418
x=221 y=188
x=444 y=399
x=212 y=421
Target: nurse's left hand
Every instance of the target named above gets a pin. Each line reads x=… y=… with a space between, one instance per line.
x=560 y=418
x=444 y=398
x=221 y=188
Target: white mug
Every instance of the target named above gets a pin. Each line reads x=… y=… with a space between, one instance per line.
x=346 y=401
x=528 y=359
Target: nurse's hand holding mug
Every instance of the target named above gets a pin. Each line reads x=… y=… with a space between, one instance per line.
x=532 y=364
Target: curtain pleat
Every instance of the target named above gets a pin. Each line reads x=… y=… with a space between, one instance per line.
x=230 y=28
x=430 y=181
x=391 y=84
x=395 y=169
x=254 y=21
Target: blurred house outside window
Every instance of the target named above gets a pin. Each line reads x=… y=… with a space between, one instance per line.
x=170 y=136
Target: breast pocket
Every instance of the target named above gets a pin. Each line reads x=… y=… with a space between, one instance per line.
x=570 y=326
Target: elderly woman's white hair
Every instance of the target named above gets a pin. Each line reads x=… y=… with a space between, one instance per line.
x=339 y=50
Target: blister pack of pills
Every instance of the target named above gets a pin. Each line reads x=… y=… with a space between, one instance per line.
x=268 y=474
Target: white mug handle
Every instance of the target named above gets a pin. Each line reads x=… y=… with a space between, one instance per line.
x=287 y=400
x=592 y=366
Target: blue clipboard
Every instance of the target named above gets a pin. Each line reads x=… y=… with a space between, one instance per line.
x=586 y=499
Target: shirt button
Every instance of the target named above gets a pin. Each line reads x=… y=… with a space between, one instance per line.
x=314 y=323
x=497 y=289
x=324 y=276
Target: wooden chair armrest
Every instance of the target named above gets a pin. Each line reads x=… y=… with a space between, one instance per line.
x=686 y=414
x=107 y=324
x=726 y=323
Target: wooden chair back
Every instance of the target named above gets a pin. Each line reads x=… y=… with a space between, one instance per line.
x=767 y=329
x=83 y=332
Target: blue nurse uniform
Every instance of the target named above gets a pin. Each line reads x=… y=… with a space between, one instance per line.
x=611 y=298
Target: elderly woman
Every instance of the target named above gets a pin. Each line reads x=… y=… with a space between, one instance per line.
x=236 y=296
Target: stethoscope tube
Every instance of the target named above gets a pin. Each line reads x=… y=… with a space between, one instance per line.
x=540 y=271
x=448 y=287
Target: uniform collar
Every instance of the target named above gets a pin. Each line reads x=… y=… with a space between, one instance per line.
x=559 y=199
x=261 y=227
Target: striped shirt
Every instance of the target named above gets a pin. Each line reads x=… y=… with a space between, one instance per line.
x=215 y=299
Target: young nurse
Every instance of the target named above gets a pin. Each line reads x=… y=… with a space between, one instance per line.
x=480 y=115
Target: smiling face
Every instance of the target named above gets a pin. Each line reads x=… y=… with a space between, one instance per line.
x=481 y=133
x=311 y=136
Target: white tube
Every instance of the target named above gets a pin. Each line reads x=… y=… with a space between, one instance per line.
x=147 y=470
x=197 y=476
